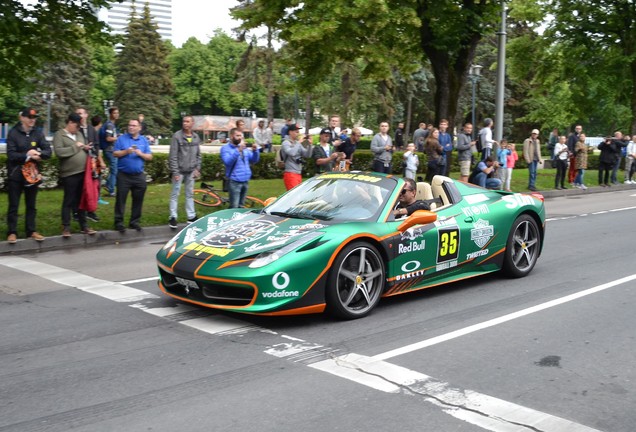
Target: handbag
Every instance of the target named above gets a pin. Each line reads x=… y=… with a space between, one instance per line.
x=31 y=173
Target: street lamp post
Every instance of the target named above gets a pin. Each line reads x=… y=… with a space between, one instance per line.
x=107 y=104
x=48 y=98
x=474 y=74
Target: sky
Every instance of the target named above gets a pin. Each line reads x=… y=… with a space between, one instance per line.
x=199 y=18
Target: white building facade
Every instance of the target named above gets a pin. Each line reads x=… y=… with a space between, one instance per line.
x=119 y=13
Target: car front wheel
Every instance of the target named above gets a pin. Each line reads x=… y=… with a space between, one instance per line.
x=355 y=282
x=522 y=249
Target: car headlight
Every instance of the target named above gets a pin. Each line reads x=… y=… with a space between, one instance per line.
x=269 y=257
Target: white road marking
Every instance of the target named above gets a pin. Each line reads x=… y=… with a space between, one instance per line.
x=587 y=214
x=107 y=289
x=134 y=281
x=123 y=294
x=479 y=409
x=502 y=319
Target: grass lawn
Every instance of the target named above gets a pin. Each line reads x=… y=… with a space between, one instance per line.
x=155 y=211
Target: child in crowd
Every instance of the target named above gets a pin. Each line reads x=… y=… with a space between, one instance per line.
x=511 y=159
x=411 y=161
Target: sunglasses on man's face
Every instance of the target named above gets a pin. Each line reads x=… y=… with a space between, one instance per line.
x=32 y=117
x=405 y=191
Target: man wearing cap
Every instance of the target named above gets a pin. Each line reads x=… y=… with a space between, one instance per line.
x=71 y=149
x=324 y=154
x=532 y=155
x=24 y=143
x=293 y=153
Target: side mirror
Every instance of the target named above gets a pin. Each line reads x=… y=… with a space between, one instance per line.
x=270 y=200
x=420 y=217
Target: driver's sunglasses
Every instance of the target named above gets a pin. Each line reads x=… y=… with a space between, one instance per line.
x=405 y=191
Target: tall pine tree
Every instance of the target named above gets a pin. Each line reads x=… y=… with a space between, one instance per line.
x=144 y=85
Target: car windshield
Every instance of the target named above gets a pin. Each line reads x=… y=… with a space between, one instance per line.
x=338 y=197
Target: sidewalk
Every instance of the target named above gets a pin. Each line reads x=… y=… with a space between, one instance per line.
x=164 y=233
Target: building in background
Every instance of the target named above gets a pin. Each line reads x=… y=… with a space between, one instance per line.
x=119 y=13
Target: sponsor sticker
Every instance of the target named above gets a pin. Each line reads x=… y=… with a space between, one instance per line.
x=280 y=281
x=482 y=232
x=477 y=254
x=239 y=234
x=517 y=200
x=210 y=250
x=476 y=210
x=412 y=247
x=361 y=177
x=412 y=233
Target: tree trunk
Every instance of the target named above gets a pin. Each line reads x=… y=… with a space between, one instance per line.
x=308 y=113
x=633 y=125
x=269 y=77
x=449 y=68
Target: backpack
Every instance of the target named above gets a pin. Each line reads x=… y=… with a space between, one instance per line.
x=103 y=144
x=478 y=144
x=280 y=161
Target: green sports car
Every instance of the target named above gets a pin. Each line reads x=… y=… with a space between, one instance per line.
x=333 y=243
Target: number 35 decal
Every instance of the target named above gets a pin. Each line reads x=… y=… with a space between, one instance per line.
x=448 y=247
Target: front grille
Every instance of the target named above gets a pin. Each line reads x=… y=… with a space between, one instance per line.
x=207 y=292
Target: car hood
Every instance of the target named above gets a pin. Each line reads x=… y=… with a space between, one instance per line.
x=235 y=234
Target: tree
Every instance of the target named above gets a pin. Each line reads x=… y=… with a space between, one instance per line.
x=204 y=75
x=69 y=80
x=386 y=34
x=25 y=29
x=600 y=61
x=144 y=84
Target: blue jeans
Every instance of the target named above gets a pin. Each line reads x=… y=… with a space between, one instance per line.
x=579 y=177
x=485 y=152
x=483 y=180
x=614 y=178
x=188 y=184
x=532 y=173
x=111 y=181
x=237 y=191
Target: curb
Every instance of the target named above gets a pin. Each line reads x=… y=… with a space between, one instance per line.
x=554 y=193
x=78 y=240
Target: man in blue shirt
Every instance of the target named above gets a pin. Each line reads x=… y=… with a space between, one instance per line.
x=237 y=159
x=132 y=151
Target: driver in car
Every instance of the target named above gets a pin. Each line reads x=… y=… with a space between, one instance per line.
x=408 y=204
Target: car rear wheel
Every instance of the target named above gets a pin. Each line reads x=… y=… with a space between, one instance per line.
x=356 y=281
x=522 y=249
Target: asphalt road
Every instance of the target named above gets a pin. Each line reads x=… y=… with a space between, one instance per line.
x=88 y=343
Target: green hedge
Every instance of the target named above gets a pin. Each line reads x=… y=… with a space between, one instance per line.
x=213 y=169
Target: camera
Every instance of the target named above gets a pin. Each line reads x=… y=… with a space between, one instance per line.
x=300 y=161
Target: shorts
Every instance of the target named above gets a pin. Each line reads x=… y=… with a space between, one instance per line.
x=464 y=167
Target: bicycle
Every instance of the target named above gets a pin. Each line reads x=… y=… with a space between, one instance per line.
x=209 y=196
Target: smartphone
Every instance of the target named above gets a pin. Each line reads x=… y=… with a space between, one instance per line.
x=134 y=146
